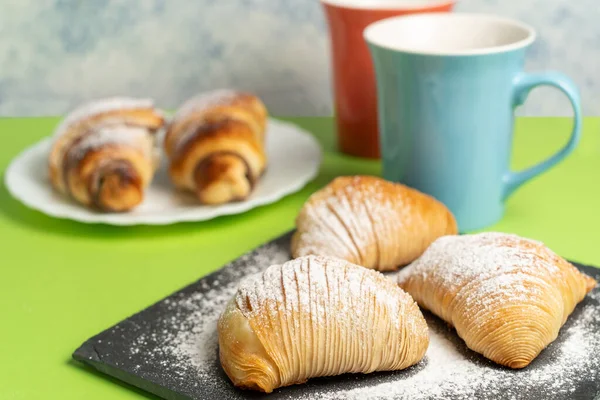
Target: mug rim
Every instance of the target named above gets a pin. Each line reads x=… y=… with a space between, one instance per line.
x=397 y=6
x=519 y=44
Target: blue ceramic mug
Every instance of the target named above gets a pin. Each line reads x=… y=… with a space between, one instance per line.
x=447 y=87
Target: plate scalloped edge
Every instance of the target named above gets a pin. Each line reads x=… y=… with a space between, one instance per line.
x=64 y=208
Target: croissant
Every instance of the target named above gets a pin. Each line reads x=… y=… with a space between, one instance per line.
x=370 y=222
x=104 y=153
x=317 y=316
x=506 y=296
x=215 y=144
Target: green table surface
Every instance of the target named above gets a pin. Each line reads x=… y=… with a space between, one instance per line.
x=62 y=281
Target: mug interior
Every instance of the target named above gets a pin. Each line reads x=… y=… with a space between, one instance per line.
x=449 y=34
x=388 y=4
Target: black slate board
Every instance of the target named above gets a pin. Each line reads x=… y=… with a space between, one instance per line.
x=133 y=350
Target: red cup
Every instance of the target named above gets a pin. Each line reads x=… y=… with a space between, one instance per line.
x=353 y=74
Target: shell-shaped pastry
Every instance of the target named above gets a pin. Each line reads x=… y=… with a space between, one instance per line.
x=370 y=222
x=104 y=153
x=317 y=316
x=215 y=145
x=506 y=296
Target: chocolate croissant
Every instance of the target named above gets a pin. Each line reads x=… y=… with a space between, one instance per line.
x=317 y=316
x=506 y=296
x=215 y=145
x=104 y=153
x=370 y=222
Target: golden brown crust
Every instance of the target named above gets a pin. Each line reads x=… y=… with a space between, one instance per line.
x=243 y=357
x=111 y=178
x=506 y=296
x=370 y=222
x=104 y=155
x=243 y=107
x=317 y=316
x=215 y=145
x=223 y=177
x=147 y=117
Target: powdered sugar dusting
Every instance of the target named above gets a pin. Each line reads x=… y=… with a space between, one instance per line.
x=455 y=261
x=345 y=218
x=100 y=106
x=292 y=283
x=204 y=101
x=114 y=134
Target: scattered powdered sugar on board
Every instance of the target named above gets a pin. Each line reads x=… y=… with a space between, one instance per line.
x=450 y=369
x=173 y=345
x=189 y=336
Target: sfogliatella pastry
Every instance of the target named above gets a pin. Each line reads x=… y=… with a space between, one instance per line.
x=317 y=316
x=104 y=153
x=370 y=222
x=215 y=145
x=506 y=296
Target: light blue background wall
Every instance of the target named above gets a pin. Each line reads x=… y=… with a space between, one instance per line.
x=57 y=53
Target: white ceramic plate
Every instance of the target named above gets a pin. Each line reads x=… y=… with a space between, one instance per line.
x=294 y=159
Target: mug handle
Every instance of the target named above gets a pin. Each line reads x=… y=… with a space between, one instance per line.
x=523 y=84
